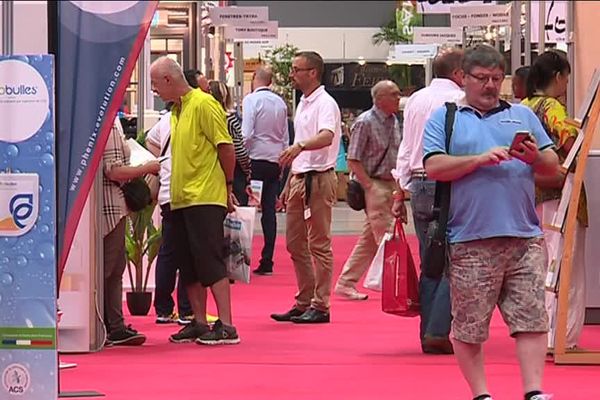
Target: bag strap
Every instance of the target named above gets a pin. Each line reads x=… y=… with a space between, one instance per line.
x=441 y=205
x=167 y=143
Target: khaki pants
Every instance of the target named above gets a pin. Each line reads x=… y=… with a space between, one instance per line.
x=378 y=221
x=309 y=240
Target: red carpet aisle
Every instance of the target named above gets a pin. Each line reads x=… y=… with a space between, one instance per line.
x=362 y=354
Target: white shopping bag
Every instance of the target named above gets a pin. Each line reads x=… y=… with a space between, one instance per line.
x=238 y=229
x=375 y=272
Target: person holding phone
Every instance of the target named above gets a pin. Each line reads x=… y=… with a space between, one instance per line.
x=496 y=247
x=547 y=82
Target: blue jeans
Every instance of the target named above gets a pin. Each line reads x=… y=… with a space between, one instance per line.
x=166 y=272
x=434 y=293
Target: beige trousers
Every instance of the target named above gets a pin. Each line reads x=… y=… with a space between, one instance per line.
x=378 y=220
x=576 y=315
x=309 y=238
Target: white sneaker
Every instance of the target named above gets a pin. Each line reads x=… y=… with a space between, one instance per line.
x=542 y=397
x=350 y=293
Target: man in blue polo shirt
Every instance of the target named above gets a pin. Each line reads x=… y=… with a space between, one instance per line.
x=496 y=245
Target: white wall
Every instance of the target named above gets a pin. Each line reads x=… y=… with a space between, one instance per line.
x=330 y=43
x=30 y=27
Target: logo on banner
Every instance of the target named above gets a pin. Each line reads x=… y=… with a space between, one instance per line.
x=24 y=101
x=16 y=379
x=18 y=203
x=104 y=7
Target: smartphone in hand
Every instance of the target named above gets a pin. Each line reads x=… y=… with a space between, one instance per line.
x=520 y=137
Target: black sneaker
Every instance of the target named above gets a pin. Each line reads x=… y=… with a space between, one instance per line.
x=125 y=337
x=166 y=318
x=220 y=334
x=263 y=271
x=189 y=333
x=185 y=319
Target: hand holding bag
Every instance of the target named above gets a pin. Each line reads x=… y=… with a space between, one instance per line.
x=435 y=259
x=400 y=285
x=137 y=194
x=355 y=195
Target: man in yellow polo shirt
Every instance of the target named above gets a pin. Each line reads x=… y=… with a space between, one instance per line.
x=203 y=161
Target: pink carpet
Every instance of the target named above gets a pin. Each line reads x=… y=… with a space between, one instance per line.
x=362 y=354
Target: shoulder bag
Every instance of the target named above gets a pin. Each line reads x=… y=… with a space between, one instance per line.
x=435 y=259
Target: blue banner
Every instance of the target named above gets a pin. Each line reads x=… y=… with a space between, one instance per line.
x=28 y=360
x=98 y=45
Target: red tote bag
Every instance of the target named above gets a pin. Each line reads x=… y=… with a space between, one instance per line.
x=400 y=284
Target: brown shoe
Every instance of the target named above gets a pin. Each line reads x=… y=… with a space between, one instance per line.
x=349 y=293
x=436 y=345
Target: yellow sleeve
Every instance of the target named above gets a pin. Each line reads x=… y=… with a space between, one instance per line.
x=213 y=122
x=555 y=115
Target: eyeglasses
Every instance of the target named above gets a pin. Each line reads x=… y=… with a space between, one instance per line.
x=483 y=80
x=295 y=70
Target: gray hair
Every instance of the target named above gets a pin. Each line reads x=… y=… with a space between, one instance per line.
x=169 y=67
x=264 y=75
x=484 y=56
x=376 y=89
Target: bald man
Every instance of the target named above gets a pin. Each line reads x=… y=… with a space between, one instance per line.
x=265 y=130
x=202 y=164
x=374 y=141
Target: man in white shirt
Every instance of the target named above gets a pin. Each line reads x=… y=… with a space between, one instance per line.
x=310 y=192
x=265 y=131
x=434 y=294
x=158 y=141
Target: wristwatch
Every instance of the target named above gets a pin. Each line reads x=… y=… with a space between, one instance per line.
x=302 y=146
x=397 y=195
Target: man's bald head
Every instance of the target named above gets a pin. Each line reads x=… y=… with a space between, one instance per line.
x=263 y=76
x=167 y=79
x=448 y=64
x=386 y=96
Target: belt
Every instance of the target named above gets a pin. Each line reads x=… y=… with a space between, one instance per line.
x=418 y=175
x=307 y=176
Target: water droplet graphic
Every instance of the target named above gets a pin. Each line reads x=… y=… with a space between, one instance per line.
x=12 y=150
x=46 y=209
x=50 y=137
x=47 y=160
x=0 y=298
x=44 y=228
x=21 y=261
x=46 y=251
x=6 y=279
x=4 y=260
x=37 y=148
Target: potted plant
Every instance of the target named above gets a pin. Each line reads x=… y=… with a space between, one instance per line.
x=280 y=59
x=142 y=242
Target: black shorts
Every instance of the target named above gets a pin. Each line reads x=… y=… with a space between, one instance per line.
x=199 y=244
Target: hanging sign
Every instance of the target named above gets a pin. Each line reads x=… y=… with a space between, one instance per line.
x=28 y=356
x=427 y=35
x=264 y=30
x=234 y=16
x=479 y=16
x=414 y=51
x=443 y=6
x=555 y=21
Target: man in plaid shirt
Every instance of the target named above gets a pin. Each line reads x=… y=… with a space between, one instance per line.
x=374 y=142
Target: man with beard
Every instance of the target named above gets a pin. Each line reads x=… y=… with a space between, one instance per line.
x=311 y=190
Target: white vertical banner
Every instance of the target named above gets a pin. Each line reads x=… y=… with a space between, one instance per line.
x=555 y=21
